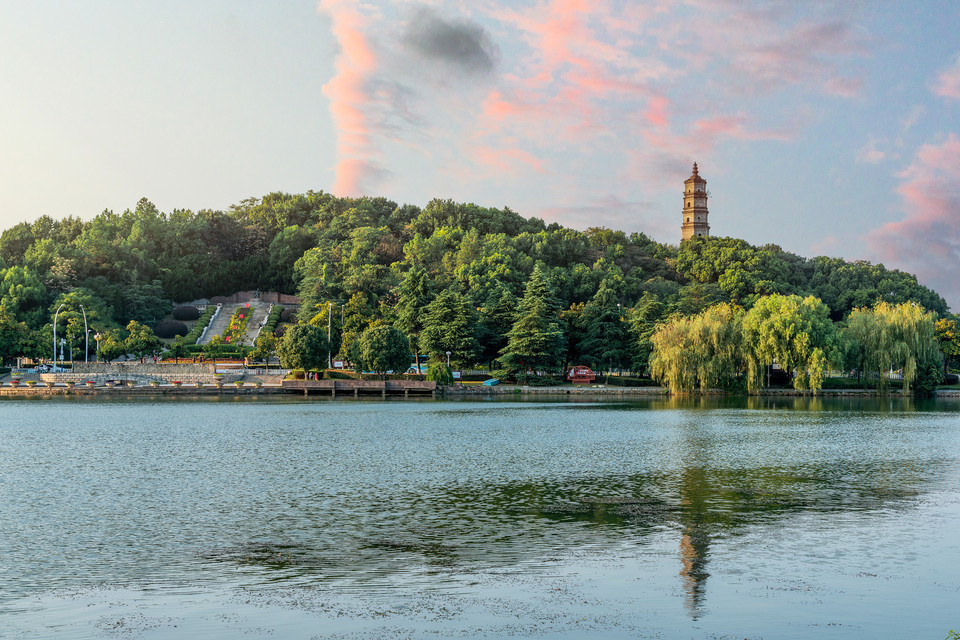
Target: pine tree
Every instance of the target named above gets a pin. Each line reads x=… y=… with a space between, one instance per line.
x=415 y=295
x=643 y=321
x=496 y=319
x=536 y=340
x=604 y=342
x=449 y=326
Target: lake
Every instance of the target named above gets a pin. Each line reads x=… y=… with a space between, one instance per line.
x=315 y=518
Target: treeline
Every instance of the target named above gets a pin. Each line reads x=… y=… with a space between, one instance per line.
x=729 y=347
x=451 y=276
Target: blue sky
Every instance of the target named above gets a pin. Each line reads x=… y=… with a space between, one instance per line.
x=829 y=128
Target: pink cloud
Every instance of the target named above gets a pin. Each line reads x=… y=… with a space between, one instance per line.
x=633 y=91
x=608 y=211
x=948 y=82
x=844 y=86
x=589 y=72
x=573 y=82
x=825 y=246
x=656 y=113
x=765 y=46
x=356 y=171
x=927 y=240
x=507 y=160
x=734 y=127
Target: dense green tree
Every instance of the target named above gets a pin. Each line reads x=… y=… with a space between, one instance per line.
x=383 y=348
x=16 y=338
x=79 y=309
x=285 y=249
x=535 y=342
x=844 y=286
x=949 y=337
x=706 y=350
x=178 y=349
x=896 y=337
x=605 y=341
x=643 y=320
x=793 y=332
x=449 y=326
x=496 y=318
x=304 y=346
x=743 y=272
x=14 y=243
x=265 y=347
x=358 y=313
x=23 y=295
x=111 y=345
x=360 y=250
x=414 y=295
x=141 y=340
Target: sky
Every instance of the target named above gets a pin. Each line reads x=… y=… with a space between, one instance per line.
x=825 y=127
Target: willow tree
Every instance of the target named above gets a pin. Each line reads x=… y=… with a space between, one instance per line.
x=704 y=350
x=902 y=336
x=795 y=333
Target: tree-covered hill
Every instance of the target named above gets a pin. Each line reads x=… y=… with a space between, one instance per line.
x=389 y=263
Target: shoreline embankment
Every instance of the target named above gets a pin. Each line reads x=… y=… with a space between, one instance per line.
x=258 y=386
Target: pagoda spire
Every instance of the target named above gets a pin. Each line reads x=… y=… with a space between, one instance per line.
x=695 y=206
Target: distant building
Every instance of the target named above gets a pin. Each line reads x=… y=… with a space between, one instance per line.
x=695 y=206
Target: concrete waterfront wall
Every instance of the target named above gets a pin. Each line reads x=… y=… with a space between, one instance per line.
x=147 y=368
x=99 y=372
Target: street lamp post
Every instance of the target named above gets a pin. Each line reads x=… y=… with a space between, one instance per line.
x=448 y=359
x=97 y=337
x=329 y=327
x=55 y=334
x=63 y=343
x=86 y=337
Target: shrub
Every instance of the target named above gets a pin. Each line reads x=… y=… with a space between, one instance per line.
x=282 y=329
x=169 y=329
x=542 y=381
x=626 y=381
x=474 y=377
x=270 y=326
x=288 y=315
x=199 y=326
x=186 y=312
x=331 y=374
x=845 y=383
x=440 y=373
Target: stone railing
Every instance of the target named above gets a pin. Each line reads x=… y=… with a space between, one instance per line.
x=213 y=319
x=147 y=368
x=142 y=373
x=140 y=378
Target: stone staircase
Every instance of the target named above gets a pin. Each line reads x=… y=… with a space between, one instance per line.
x=258 y=310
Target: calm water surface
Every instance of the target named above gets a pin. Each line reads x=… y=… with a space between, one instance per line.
x=760 y=518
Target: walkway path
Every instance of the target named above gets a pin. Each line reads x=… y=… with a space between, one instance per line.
x=258 y=310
